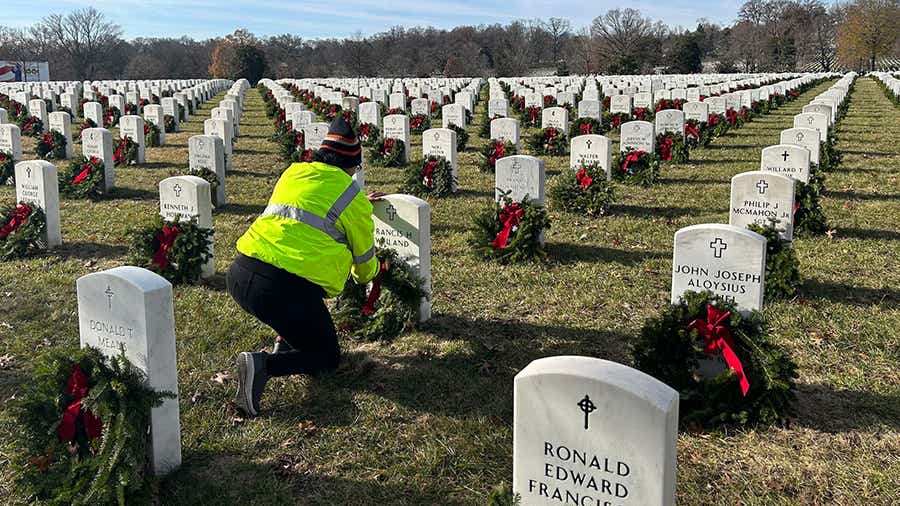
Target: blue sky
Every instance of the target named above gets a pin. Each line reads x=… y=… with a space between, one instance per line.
x=339 y=18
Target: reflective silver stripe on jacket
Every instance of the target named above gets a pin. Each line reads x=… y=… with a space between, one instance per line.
x=365 y=257
x=325 y=225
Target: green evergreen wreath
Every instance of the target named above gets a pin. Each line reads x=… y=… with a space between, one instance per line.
x=493 y=151
x=670 y=349
x=111 y=117
x=176 y=250
x=636 y=167
x=87 y=123
x=434 y=176
x=548 y=141
x=809 y=217
x=395 y=310
x=584 y=191
x=289 y=142
x=521 y=222
x=210 y=177
x=462 y=137
x=169 y=123
x=388 y=153
x=419 y=123
x=83 y=178
x=7 y=168
x=671 y=148
x=782 y=265
x=32 y=126
x=484 y=131
x=126 y=152
x=101 y=455
x=586 y=126
x=151 y=134
x=696 y=134
x=51 y=146
x=369 y=135
x=23 y=229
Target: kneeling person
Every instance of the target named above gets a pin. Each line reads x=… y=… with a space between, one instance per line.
x=315 y=232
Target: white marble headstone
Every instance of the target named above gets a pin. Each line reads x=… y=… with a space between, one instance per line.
x=97 y=142
x=588 y=431
x=441 y=142
x=726 y=260
x=11 y=140
x=396 y=126
x=37 y=184
x=153 y=113
x=187 y=197
x=403 y=223
x=132 y=308
x=208 y=152
x=786 y=159
x=132 y=126
x=556 y=117
x=62 y=122
x=589 y=149
x=758 y=197
x=637 y=136
x=806 y=137
x=520 y=175
x=507 y=130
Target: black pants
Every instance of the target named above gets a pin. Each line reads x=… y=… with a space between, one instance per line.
x=293 y=307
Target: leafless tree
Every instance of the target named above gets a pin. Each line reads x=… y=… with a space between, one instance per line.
x=85 y=36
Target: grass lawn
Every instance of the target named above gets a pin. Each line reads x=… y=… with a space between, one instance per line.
x=427 y=419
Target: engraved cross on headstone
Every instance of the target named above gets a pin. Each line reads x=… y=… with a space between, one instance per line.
x=177 y=189
x=718 y=246
x=588 y=143
x=785 y=155
x=391 y=212
x=28 y=172
x=109 y=294
x=799 y=136
x=762 y=185
x=587 y=407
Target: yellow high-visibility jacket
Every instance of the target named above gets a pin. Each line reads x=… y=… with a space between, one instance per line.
x=318 y=225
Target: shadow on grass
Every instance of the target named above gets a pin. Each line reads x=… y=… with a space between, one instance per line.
x=849 y=294
x=565 y=253
x=863 y=233
x=239 y=151
x=867 y=153
x=862 y=196
x=655 y=211
x=465 y=193
x=689 y=181
x=125 y=193
x=287 y=478
x=827 y=409
x=247 y=173
x=241 y=209
x=89 y=250
x=459 y=384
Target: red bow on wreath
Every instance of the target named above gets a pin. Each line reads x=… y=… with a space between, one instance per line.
x=616 y=121
x=428 y=174
x=388 y=147
x=47 y=139
x=120 y=149
x=86 y=169
x=691 y=131
x=639 y=113
x=632 y=157
x=533 y=111
x=743 y=113
x=718 y=339
x=364 y=130
x=498 y=152
x=77 y=387
x=368 y=308
x=585 y=128
x=665 y=147
x=18 y=217
x=166 y=239
x=713 y=120
x=298 y=139
x=583 y=178
x=510 y=216
x=731 y=116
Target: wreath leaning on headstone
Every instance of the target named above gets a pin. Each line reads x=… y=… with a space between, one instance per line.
x=510 y=231
x=32 y=126
x=419 y=123
x=82 y=423
x=809 y=217
x=695 y=134
x=434 y=176
x=151 y=134
x=782 y=265
x=176 y=250
x=368 y=134
x=462 y=137
x=584 y=191
x=169 y=123
x=210 y=177
x=7 y=168
x=83 y=178
x=22 y=230
x=549 y=141
x=723 y=364
x=672 y=147
x=126 y=152
x=87 y=123
x=389 y=307
x=636 y=167
x=51 y=146
x=388 y=153
x=494 y=150
x=586 y=126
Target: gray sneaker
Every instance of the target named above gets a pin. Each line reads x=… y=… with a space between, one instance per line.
x=281 y=346
x=252 y=380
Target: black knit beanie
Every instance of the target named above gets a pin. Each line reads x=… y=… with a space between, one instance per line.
x=342 y=143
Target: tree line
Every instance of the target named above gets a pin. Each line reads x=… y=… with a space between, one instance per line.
x=768 y=35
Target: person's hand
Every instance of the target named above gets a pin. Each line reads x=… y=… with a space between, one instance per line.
x=375 y=196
